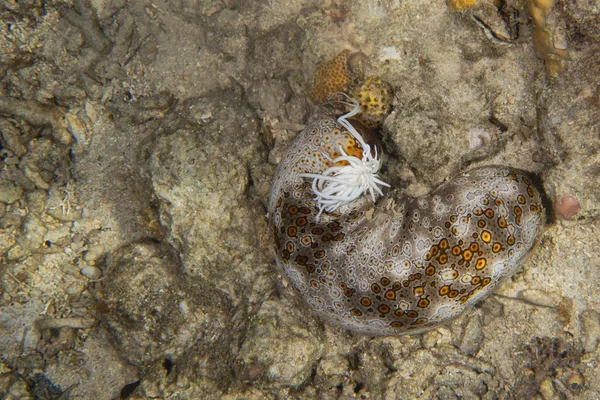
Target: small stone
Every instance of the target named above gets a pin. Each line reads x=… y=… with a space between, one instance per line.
x=566 y=310
x=12 y=138
x=17 y=252
x=491 y=309
x=331 y=372
x=62 y=135
x=462 y=379
x=436 y=338
x=471 y=339
x=36 y=200
x=18 y=389
x=9 y=193
x=76 y=127
x=252 y=372
x=57 y=233
x=36 y=178
x=590 y=319
x=11 y=220
x=93 y=253
x=85 y=225
x=568 y=207
x=547 y=390
x=91 y=272
x=576 y=381
x=34 y=230
x=91 y=112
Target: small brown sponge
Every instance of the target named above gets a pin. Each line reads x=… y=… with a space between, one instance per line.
x=543 y=42
x=461 y=4
x=375 y=99
x=330 y=77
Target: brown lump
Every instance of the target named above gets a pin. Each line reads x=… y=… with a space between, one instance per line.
x=330 y=77
x=461 y=4
x=543 y=42
x=375 y=99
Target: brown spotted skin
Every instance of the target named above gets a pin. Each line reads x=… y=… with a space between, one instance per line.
x=402 y=265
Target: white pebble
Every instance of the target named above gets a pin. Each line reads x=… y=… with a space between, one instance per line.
x=91 y=272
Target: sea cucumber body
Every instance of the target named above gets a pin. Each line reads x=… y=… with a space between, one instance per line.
x=401 y=265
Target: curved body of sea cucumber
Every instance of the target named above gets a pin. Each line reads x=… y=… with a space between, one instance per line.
x=401 y=265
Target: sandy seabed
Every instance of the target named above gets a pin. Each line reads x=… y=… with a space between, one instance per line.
x=139 y=140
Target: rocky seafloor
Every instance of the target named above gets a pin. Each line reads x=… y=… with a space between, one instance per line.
x=139 y=140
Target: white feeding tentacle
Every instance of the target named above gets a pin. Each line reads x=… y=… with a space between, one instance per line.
x=340 y=185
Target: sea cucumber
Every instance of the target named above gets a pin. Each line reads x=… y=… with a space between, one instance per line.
x=391 y=264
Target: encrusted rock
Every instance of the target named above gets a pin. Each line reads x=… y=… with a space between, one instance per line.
x=153 y=313
x=285 y=344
